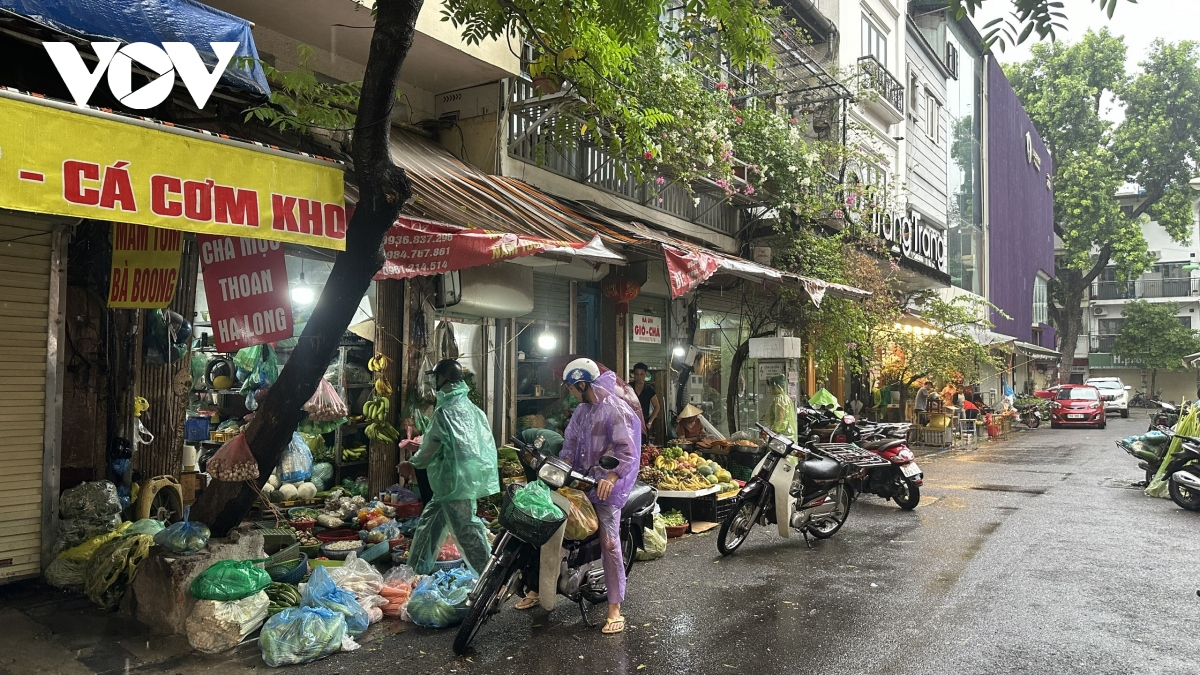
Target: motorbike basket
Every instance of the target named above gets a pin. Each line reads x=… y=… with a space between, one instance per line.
x=531 y=530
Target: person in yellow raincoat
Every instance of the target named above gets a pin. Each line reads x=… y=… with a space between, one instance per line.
x=781 y=415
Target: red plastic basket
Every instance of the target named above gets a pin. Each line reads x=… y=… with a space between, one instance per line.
x=410 y=510
x=337 y=535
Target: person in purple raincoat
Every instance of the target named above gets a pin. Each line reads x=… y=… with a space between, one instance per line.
x=603 y=424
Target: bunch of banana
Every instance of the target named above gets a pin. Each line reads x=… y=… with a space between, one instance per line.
x=353 y=454
x=377 y=409
x=382 y=387
x=382 y=432
x=378 y=363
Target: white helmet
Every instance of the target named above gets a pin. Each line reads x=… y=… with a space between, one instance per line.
x=581 y=370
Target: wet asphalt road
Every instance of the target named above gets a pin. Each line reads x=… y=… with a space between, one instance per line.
x=1030 y=556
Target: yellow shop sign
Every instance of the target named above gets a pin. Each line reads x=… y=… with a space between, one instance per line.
x=80 y=164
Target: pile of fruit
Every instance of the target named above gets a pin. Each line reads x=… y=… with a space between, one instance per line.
x=354 y=454
x=650 y=452
x=676 y=470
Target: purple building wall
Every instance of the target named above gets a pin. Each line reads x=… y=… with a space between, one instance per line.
x=1020 y=210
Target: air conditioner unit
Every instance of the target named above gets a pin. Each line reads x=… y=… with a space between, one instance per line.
x=1098 y=310
x=1157 y=255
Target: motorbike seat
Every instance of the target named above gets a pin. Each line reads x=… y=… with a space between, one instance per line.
x=641 y=496
x=882 y=444
x=820 y=468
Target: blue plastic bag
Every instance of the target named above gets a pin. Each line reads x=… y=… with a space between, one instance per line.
x=297 y=461
x=183 y=537
x=301 y=635
x=440 y=600
x=322 y=592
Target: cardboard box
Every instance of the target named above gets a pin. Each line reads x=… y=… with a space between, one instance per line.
x=191 y=483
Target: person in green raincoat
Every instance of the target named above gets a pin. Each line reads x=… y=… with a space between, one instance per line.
x=459 y=453
x=781 y=416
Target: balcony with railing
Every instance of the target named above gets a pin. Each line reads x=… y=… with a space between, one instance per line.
x=1145 y=288
x=1100 y=343
x=888 y=92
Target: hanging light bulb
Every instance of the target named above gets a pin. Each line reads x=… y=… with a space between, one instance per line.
x=302 y=293
x=679 y=352
x=547 y=341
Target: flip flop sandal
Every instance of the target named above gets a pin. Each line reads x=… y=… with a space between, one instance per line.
x=608 y=623
x=527 y=603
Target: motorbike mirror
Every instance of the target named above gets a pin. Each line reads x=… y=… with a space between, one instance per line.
x=539 y=442
x=848 y=420
x=609 y=462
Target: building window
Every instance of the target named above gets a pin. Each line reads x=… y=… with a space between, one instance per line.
x=1039 y=301
x=933 y=119
x=874 y=41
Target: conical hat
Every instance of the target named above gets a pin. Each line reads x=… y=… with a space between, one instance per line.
x=690 y=411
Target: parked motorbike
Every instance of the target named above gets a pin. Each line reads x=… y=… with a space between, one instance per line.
x=1166 y=415
x=574 y=570
x=1184 y=475
x=900 y=478
x=1030 y=415
x=1149 y=456
x=811 y=495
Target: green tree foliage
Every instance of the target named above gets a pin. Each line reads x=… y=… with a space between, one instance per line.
x=1155 y=147
x=1152 y=335
x=1027 y=18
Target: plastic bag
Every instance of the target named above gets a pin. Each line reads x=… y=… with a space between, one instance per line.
x=96 y=501
x=111 y=569
x=357 y=576
x=84 y=552
x=215 y=626
x=184 y=537
x=534 y=500
x=373 y=605
x=301 y=635
x=324 y=471
x=325 y=404
x=581 y=518
x=322 y=592
x=654 y=542
x=297 y=461
x=148 y=526
x=230 y=580
x=234 y=462
x=1155 y=437
x=75 y=531
x=440 y=599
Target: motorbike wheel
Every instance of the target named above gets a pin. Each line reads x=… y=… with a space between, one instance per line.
x=492 y=590
x=909 y=495
x=628 y=549
x=1033 y=422
x=830 y=526
x=736 y=526
x=1184 y=497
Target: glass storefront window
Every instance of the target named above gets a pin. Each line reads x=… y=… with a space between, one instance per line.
x=964 y=175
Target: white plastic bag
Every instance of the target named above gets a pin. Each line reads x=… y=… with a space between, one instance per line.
x=215 y=626
x=325 y=404
x=654 y=542
x=357 y=576
x=374 y=605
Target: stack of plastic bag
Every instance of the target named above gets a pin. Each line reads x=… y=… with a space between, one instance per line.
x=112 y=568
x=440 y=599
x=216 y=626
x=87 y=510
x=397 y=588
x=364 y=581
x=322 y=592
x=185 y=537
x=301 y=635
x=654 y=542
x=68 y=569
x=297 y=462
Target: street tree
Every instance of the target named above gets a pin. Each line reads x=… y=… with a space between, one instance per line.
x=1043 y=18
x=592 y=41
x=1152 y=335
x=1156 y=147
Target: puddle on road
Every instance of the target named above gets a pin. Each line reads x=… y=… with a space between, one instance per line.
x=1009 y=488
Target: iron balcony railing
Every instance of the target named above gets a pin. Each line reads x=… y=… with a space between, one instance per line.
x=877 y=78
x=1145 y=288
x=1099 y=343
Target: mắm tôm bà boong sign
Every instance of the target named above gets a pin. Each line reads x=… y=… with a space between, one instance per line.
x=78 y=164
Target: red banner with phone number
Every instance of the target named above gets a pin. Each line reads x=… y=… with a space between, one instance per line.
x=688 y=269
x=416 y=248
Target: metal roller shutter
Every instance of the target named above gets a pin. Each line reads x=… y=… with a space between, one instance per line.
x=25 y=252
x=654 y=355
x=551 y=299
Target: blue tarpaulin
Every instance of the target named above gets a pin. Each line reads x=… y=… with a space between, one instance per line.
x=154 y=21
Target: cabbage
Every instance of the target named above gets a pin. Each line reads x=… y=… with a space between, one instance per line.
x=307 y=490
x=289 y=491
x=273 y=481
x=324 y=471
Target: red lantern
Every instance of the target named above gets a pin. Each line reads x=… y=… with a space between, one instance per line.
x=622 y=291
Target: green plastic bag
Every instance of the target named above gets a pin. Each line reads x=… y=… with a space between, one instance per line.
x=230 y=580
x=148 y=526
x=534 y=500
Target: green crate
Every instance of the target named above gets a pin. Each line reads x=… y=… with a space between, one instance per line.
x=740 y=471
x=284 y=555
x=275 y=539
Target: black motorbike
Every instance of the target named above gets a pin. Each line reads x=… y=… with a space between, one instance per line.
x=1166 y=415
x=1030 y=415
x=516 y=553
x=1183 y=474
x=1150 y=456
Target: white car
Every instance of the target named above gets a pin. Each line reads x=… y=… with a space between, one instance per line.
x=1114 y=392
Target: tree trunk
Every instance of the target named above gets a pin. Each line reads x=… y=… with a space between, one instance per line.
x=1070 y=328
x=383 y=189
x=731 y=392
x=1153 y=380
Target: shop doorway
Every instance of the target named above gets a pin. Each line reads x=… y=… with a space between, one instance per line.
x=587 y=318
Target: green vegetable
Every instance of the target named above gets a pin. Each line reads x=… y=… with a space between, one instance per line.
x=300 y=635
x=673 y=518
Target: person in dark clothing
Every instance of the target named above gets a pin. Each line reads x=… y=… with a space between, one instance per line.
x=646 y=394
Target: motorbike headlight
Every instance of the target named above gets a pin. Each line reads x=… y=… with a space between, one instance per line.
x=554 y=472
x=778 y=446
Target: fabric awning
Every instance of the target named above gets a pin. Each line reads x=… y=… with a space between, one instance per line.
x=153 y=21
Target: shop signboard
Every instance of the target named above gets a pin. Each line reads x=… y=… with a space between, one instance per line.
x=647 y=329
x=913 y=239
x=688 y=269
x=145 y=266
x=415 y=248
x=247 y=287
x=83 y=165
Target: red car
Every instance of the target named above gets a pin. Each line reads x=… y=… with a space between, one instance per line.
x=1077 y=405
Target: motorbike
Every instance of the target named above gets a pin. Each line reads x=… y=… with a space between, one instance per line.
x=1030 y=415
x=1184 y=475
x=1150 y=456
x=1140 y=400
x=808 y=489
x=900 y=479
x=1167 y=415
x=569 y=567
